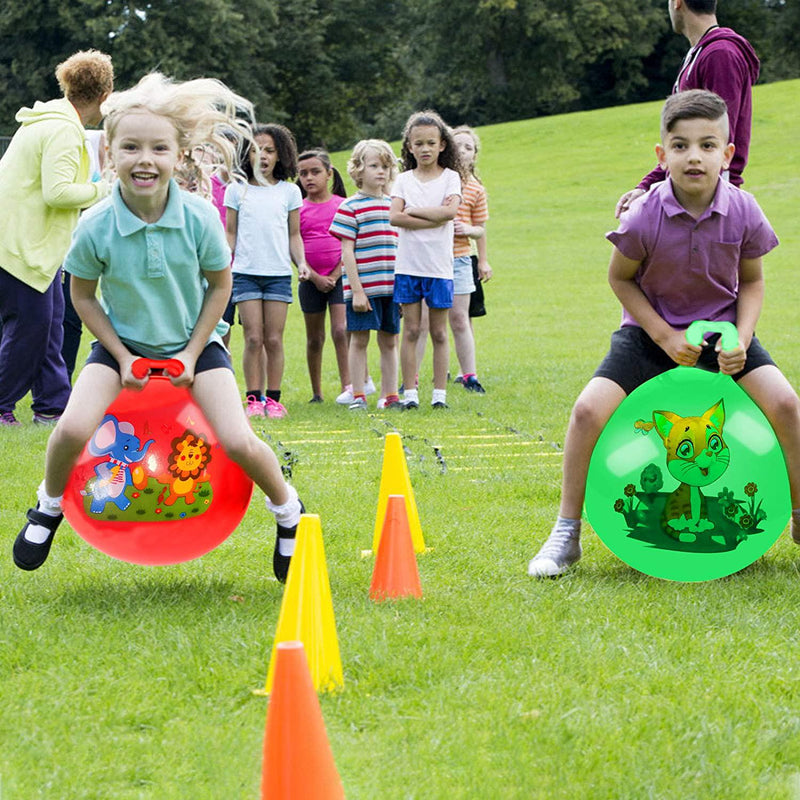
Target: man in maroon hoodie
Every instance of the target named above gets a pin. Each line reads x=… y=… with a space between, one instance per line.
x=720 y=61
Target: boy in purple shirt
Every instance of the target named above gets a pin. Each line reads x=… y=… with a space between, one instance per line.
x=691 y=248
x=720 y=61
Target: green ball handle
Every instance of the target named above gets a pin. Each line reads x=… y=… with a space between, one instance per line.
x=696 y=332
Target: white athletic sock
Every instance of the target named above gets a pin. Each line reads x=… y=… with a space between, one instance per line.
x=439 y=396
x=51 y=506
x=411 y=395
x=287 y=515
x=573 y=526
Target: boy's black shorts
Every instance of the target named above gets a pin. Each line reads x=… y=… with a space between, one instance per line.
x=635 y=358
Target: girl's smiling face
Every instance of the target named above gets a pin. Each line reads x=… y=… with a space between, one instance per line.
x=144 y=153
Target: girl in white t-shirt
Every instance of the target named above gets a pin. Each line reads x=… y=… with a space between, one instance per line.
x=425 y=200
x=263 y=227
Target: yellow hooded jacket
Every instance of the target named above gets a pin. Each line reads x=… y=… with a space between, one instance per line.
x=44 y=178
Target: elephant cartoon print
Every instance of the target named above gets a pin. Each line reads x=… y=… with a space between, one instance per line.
x=118 y=441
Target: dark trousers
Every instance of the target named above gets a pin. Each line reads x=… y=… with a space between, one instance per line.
x=30 y=348
x=72 y=330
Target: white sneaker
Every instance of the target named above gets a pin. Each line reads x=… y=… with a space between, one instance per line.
x=369 y=387
x=561 y=550
x=346 y=397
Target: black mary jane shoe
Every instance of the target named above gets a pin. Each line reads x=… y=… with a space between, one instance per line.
x=280 y=563
x=29 y=555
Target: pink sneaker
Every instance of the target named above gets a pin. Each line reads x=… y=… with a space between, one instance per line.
x=274 y=409
x=255 y=407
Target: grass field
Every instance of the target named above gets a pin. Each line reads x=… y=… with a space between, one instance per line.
x=120 y=682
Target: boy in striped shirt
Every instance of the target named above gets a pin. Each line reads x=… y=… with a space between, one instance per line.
x=369 y=245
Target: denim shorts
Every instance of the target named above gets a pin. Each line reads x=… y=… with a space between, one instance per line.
x=214 y=356
x=463 y=282
x=313 y=301
x=635 y=358
x=261 y=287
x=436 y=292
x=385 y=316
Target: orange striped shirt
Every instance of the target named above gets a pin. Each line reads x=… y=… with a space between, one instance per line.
x=472 y=211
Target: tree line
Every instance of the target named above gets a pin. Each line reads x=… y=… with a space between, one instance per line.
x=335 y=71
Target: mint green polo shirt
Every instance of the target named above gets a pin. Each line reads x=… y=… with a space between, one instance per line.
x=151 y=280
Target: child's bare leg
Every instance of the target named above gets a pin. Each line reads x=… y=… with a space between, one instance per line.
x=387 y=344
x=423 y=335
x=774 y=395
x=218 y=396
x=462 y=334
x=251 y=313
x=437 y=318
x=359 y=340
x=340 y=341
x=315 y=342
x=593 y=408
x=274 y=323
x=412 y=313
x=94 y=390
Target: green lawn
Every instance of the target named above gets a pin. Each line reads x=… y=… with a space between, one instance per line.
x=120 y=681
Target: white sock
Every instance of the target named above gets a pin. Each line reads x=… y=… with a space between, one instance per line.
x=411 y=395
x=51 y=506
x=573 y=526
x=287 y=515
x=439 y=396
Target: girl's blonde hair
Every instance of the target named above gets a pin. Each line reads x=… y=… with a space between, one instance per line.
x=355 y=166
x=85 y=76
x=203 y=111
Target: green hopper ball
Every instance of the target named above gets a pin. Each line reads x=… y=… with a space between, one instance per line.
x=687 y=481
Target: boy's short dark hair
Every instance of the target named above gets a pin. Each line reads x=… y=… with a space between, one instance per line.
x=693 y=104
x=702 y=6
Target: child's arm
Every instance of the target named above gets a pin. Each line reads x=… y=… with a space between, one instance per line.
x=401 y=218
x=231 y=227
x=296 y=249
x=470 y=231
x=360 y=300
x=621 y=273
x=94 y=317
x=748 y=310
x=215 y=301
x=484 y=270
x=438 y=214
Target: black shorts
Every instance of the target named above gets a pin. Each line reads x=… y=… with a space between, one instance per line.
x=635 y=358
x=476 y=306
x=214 y=356
x=313 y=301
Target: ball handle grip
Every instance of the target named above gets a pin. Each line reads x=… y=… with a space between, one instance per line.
x=696 y=332
x=142 y=366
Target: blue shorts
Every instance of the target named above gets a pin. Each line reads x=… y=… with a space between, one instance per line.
x=214 y=356
x=463 y=282
x=436 y=292
x=385 y=316
x=313 y=301
x=261 y=287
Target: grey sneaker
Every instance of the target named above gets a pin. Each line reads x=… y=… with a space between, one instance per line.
x=561 y=550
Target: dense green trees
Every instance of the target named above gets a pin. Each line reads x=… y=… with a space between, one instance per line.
x=334 y=70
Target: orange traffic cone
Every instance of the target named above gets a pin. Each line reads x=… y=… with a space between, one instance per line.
x=395 y=573
x=298 y=762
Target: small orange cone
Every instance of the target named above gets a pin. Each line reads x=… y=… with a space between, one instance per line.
x=395 y=574
x=396 y=480
x=298 y=762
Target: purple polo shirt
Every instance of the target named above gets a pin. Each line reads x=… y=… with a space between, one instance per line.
x=690 y=267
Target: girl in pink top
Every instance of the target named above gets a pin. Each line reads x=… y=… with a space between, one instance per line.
x=323 y=189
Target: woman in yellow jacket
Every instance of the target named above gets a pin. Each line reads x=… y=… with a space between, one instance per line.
x=44 y=182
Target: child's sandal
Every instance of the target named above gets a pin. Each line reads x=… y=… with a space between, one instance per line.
x=30 y=555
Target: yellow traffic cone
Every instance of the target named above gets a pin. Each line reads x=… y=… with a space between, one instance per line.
x=395 y=480
x=307 y=610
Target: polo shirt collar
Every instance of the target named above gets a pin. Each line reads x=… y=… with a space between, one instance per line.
x=719 y=204
x=128 y=223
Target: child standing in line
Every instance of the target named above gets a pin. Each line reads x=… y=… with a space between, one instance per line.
x=163 y=265
x=323 y=190
x=263 y=226
x=369 y=246
x=425 y=200
x=691 y=248
x=470 y=232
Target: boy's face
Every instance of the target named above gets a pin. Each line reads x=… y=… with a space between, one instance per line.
x=375 y=174
x=694 y=153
